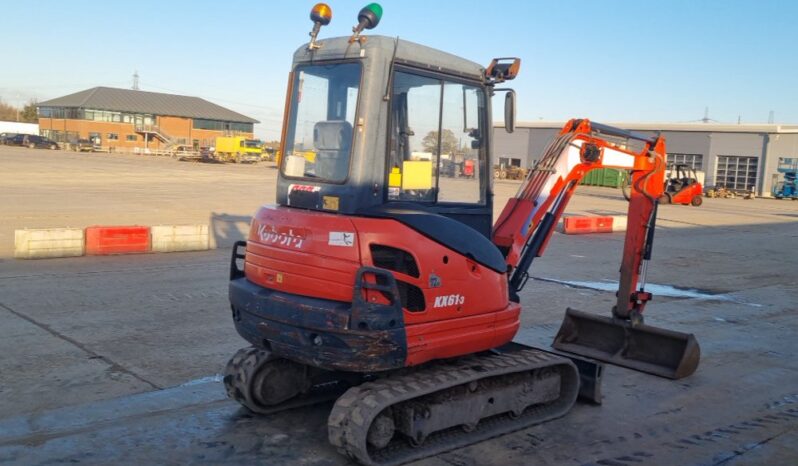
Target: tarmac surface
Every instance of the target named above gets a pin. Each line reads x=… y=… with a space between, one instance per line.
x=116 y=359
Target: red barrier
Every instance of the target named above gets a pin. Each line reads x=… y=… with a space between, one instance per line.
x=582 y=225
x=117 y=240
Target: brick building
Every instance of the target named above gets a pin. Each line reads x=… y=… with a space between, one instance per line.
x=132 y=120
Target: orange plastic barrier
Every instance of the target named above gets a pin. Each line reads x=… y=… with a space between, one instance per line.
x=584 y=225
x=101 y=240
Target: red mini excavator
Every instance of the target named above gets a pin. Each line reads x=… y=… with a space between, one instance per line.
x=379 y=279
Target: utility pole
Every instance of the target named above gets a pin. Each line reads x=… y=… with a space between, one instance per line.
x=772 y=117
x=136 y=80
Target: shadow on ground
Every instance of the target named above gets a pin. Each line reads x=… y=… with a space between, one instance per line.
x=226 y=229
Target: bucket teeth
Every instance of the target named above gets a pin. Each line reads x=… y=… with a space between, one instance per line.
x=641 y=347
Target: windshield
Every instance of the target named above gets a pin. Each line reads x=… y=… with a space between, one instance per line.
x=320 y=127
x=252 y=143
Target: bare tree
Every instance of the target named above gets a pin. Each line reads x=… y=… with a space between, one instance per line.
x=449 y=143
x=8 y=112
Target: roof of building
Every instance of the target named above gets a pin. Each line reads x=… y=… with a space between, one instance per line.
x=770 y=128
x=156 y=103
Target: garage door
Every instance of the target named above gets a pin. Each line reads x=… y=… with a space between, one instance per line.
x=694 y=161
x=736 y=172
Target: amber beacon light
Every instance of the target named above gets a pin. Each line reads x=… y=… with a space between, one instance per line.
x=321 y=15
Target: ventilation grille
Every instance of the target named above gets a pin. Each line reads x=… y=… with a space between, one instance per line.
x=412 y=297
x=397 y=260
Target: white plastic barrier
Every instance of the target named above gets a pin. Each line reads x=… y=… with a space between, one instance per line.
x=48 y=242
x=176 y=238
x=619 y=222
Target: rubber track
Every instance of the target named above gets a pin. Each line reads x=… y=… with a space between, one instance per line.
x=238 y=385
x=354 y=412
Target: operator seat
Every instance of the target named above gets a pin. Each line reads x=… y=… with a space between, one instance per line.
x=333 y=142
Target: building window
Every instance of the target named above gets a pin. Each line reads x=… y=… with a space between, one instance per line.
x=131 y=137
x=736 y=172
x=113 y=136
x=694 y=161
x=216 y=125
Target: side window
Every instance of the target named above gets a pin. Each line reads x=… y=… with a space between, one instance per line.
x=459 y=170
x=413 y=158
x=436 y=142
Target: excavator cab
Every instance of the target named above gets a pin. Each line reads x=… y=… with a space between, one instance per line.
x=350 y=103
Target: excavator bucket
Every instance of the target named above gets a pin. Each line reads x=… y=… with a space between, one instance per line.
x=641 y=347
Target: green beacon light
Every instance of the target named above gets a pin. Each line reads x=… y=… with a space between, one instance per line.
x=368 y=18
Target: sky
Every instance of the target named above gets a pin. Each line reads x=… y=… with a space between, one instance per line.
x=610 y=61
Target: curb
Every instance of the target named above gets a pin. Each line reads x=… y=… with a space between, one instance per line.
x=598 y=224
x=109 y=240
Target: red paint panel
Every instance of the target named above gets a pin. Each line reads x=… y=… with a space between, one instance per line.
x=298 y=251
x=582 y=225
x=117 y=240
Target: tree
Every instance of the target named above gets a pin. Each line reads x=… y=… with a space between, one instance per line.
x=449 y=143
x=7 y=112
x=29 y=114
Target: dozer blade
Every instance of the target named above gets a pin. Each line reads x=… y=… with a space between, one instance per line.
x=640 y=347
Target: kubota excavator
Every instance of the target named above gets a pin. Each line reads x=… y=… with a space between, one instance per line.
x=380 y=282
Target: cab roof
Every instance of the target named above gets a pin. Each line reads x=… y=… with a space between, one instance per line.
x=382 y=48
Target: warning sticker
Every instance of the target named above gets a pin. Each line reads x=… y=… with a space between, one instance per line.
x=341 y=238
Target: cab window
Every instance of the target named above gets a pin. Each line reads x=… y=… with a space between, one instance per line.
x=436 y=141
x=322 y=117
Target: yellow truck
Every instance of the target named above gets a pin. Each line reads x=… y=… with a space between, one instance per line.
x=237 y=149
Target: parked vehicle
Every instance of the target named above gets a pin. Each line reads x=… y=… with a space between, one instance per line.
x=269 y=154
x=788 y=187
x=511 y=172
x=682 y=186
x=32 y=141
x=4 y=137
x=237 y=149
x=84 y=145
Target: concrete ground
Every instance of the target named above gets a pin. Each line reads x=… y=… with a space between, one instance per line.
x=44 y=189
x=114 y=359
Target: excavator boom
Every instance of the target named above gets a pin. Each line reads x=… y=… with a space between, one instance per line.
x=527 y=222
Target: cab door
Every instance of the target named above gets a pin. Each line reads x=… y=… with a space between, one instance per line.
x=438 y=147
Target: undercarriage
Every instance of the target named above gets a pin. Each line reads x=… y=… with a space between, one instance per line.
x=398 y=416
